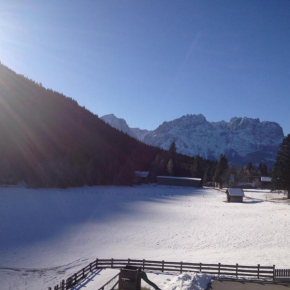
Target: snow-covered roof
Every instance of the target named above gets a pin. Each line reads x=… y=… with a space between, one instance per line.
x=142 y=173
x=266 y=179
x=184 y=178
x=235 y=192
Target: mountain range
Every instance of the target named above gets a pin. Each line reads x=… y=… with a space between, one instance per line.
x=242 y=140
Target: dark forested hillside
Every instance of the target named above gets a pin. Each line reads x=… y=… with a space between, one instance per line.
x=47 y=139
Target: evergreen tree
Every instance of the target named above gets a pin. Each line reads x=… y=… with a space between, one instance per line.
x=207 y=175
x=158 y=167
x=170 y=167
x=213 y=168
x=241 y=175
x=233 y=175
x=126 y=174
x=281 y=170
x=250 y=167
x=172 y=151
x=197 y=168
x=263 y=169
x=172 y=159
x=221 y=173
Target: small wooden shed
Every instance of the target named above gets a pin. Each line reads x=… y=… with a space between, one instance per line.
x=141 y=177
x=235 y=194
x=266 y=182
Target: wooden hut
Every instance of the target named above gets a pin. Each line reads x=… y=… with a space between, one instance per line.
x=141 y=177
x=235 y=195
x=179 y=181
x=266 y=182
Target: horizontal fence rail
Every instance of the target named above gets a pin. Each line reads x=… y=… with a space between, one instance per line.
x=219 y=269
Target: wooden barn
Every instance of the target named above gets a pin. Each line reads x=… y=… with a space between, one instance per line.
x=266 y=182
x=141 y=177
x=179 y=181
x=235 y=195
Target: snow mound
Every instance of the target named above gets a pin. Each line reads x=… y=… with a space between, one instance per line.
x=187 y=281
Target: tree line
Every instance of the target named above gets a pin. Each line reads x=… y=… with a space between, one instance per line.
x=48 y=140
x=170 y=163
x=280 y=173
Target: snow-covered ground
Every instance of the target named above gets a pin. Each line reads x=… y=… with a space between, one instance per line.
x=165 y=281
x=266 y=194
x=46 y=235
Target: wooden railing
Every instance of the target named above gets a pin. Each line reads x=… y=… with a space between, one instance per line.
x=282 y=273
x=163 y=266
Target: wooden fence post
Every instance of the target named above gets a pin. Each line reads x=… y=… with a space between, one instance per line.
x=162 y=266
x=84 y=273
x=237 y=271
x=258 y=271
x=128 y=261
x=97 y=261
x=143 y=266
x=68 y=283
x=180 y=267
x=200 y=266
x=219 y=270
x=112 y=263
x=273 y=272
x=75 y=277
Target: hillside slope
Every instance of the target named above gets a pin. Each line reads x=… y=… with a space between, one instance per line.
x=47 y=139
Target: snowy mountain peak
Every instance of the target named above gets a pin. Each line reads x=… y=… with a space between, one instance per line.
x=242 y=139
x=243 y=122
x=112 y=118
x=119 y=124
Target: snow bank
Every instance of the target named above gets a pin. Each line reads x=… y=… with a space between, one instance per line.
x=187 y=281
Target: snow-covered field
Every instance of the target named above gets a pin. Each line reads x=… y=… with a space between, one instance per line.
x=46 y=235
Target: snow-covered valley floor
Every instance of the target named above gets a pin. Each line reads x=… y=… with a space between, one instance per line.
x=46 y=235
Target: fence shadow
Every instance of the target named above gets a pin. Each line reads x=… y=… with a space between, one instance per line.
x=252 y=201
x=241 y=283
x=88 y=279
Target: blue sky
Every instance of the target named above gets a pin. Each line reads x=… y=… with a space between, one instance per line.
x=150 y=61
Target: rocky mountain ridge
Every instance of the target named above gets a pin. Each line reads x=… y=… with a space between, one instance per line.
x=241 y=139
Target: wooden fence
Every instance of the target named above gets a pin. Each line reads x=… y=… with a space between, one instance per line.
x=282 y=273
x=213 y=269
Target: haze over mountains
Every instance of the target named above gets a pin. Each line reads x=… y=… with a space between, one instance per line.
x=243 y=140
